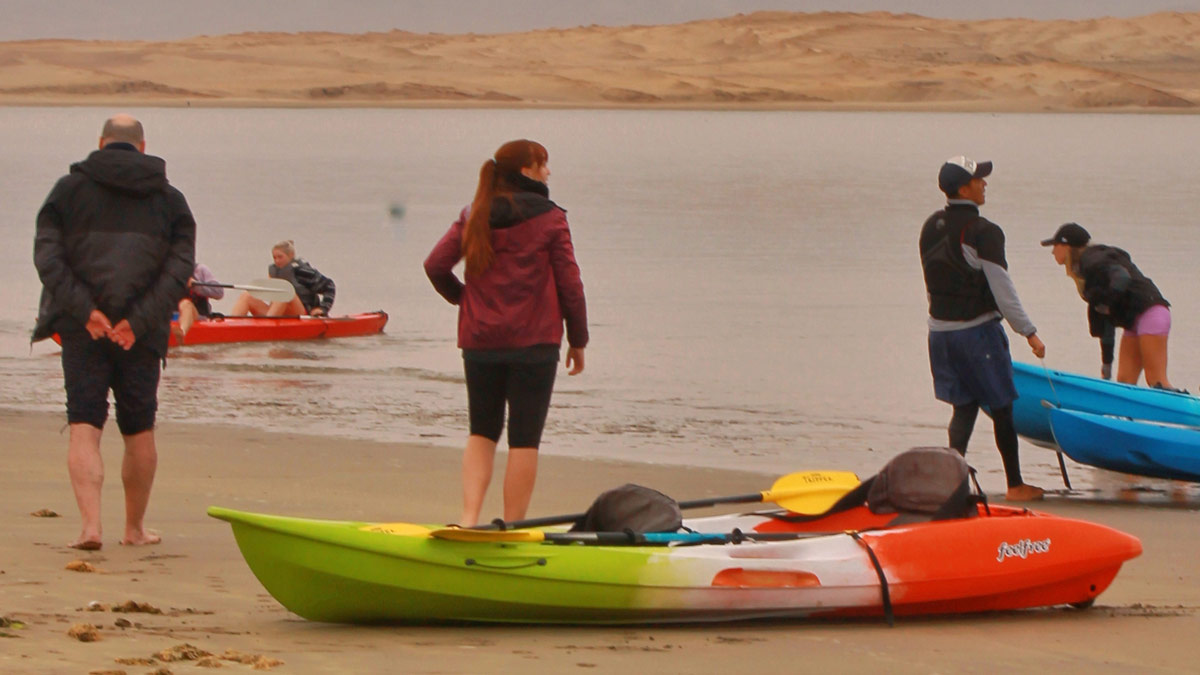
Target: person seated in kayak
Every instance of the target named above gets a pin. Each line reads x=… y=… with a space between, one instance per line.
x=314 y=291
x=1117 y=292
x=197 y=301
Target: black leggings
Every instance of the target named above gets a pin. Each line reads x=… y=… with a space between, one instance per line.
x=525 y=387
x=963 y=422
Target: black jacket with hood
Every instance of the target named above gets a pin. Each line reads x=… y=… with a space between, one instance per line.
x=313 y=288
x=1114 y=287
x=114 y=235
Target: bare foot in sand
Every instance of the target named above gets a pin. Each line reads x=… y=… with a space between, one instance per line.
x=84 y=544
x=147 y=538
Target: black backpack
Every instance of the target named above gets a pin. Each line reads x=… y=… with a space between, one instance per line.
x=631 y=508
x=924 y=481
x=919 y=484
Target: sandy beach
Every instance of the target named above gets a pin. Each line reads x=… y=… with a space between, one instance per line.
x=763 y=60
x=209 y=599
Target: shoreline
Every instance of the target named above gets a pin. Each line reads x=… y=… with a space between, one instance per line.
x=982 y=108
x=209 y=598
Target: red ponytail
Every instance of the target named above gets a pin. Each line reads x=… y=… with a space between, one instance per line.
x=477 y=234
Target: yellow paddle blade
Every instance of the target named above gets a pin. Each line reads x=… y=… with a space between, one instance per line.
x=811 y=492
x=467 y=534
x=401 y=529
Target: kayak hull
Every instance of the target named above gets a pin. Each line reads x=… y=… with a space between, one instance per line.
x=1071 y=391
x=1128 y=446
x=352 y=572
x=225 y=329
x=263 y=329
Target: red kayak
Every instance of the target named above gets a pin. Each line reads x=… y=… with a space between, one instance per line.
x=262 y=329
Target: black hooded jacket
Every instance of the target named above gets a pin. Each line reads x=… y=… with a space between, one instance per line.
x=114 y=235
x=1114 y=287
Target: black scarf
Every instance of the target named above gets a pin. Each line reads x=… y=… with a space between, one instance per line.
x=522 y=183
x=530 y=198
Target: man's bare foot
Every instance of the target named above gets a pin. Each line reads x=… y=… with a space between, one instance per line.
x=147 y=538
x=1024 y=493
x=86 y=544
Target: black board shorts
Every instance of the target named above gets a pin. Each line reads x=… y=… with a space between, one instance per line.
x=92 y=367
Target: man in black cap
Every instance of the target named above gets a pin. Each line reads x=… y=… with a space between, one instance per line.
x=969 y=290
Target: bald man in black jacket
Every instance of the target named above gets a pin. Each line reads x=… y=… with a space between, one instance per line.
x=114 y=248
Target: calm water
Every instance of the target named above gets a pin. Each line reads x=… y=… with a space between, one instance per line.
x=752 y=278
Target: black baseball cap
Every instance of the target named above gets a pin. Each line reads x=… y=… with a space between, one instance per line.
x=958 y=171
x=1071 y=234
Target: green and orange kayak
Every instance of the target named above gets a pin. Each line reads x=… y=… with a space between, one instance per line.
x=739 y=566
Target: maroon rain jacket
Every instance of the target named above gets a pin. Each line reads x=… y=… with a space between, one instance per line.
x=530 y=289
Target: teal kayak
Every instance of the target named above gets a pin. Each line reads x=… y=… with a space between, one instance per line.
x=1129 y=446
x=1071 y=391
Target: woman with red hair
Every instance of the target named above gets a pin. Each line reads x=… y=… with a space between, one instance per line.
x=520 y=285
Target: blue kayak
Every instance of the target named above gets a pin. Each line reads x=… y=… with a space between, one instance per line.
x=1093 y=395
x=1128 y=446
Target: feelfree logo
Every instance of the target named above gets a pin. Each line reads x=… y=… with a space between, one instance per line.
x=1022 y=549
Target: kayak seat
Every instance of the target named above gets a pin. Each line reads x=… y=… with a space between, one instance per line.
x=919 y=485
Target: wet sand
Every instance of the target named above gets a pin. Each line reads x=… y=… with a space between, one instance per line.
x=209 y=599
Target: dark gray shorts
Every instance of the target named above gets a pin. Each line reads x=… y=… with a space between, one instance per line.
x=972 y=365
x=92 y=367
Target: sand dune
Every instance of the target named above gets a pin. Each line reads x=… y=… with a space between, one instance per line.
x=767 y=59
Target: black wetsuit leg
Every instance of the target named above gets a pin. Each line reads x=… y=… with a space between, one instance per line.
x=962 y=423
x=1006 y=441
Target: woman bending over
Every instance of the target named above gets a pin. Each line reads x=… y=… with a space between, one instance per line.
x=1116 y=291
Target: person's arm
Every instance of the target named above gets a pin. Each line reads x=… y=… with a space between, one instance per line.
x=319 y=285
x=439 y=265
x=574 y=362
x=158 y=301
x=570 y=292
x=1010 y=306
x=1006 y=299
x=50 y=258
x=205 y=276
x=988 y=254
x=1106 y=286
x=1100 y=327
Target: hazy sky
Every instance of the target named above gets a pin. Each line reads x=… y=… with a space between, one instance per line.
x=170 y=19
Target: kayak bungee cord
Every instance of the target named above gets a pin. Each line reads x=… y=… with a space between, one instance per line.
x=883 y=582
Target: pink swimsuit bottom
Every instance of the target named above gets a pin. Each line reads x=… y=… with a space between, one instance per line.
x=1154 y=321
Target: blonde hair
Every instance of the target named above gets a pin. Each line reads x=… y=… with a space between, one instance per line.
x=287 y=246
x=1074 y=253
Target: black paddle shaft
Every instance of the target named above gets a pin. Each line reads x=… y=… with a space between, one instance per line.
x=499 y=524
